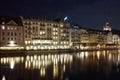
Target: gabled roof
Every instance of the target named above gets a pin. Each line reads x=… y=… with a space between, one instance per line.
x=10 y=20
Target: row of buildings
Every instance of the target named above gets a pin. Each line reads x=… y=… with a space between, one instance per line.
x=34 y=33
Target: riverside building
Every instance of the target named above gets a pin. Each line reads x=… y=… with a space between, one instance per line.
x=11 y=33
x=45 y=34
x=39 y=34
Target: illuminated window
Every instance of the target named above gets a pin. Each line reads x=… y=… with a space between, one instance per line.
x=3 y=22
x=3 y=27
x=25 y=42
x=56 y=33
x=61 y=25
x=8 y=28
x=61 y=30
x=40 y=33
x=11 y=28
x=15 y=28
x=53 y=33
x=53 y=29
x=43 y=32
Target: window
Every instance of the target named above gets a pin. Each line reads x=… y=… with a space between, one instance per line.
x=3 y=38
x=11 y=38
x=3 y=33
x=25 y=31
x=3 y=22
x=11 y=33
x=8 y=33
x=8 y=28
x=15 y=34
x=11 y=28
x=25 y=36
x=3 y=27
x=15 y=28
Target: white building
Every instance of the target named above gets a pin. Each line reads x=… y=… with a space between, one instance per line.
x=11 y=33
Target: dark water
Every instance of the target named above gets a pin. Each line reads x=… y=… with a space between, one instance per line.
x=87 y=65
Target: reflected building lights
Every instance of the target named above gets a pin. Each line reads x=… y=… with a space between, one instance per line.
x=55 y=71
x=64 y=68
x=82 y=55
x=40 y=62
x=10 y=60
x=110 y=56
x=42 y=72
x=98 y=55
x=60 y=64
x=12 y=64
x=3 y=78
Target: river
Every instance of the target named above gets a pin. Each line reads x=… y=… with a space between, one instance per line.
x=84 y=65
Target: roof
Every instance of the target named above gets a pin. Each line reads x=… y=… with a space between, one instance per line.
x=7 y=19
x=57 y=20
x=115 y=31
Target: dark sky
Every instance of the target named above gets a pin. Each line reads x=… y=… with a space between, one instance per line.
x=87 y=13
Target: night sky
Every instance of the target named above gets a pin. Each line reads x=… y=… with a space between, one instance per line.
x=87 y=13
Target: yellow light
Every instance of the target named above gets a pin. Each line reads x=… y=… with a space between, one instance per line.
x=61 y=25
x=42 y=72
x=98 y=54
x=12 y=63
x=35 y=57
x=25 y=42
x=3 y=27
x=27 y=48
x=11 y=43
x=3 y=78
x=28 y=58
x=4 y=60
x=55 y=71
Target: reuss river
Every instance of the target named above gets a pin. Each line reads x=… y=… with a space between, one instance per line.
x=86 y=65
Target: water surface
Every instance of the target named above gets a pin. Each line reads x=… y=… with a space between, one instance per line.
x=86 y=65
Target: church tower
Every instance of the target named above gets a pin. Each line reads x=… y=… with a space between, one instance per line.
x=107 y=27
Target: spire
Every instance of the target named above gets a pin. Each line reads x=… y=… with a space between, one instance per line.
x=106 y=27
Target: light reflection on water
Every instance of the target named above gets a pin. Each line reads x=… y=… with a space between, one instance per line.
x=59 y=66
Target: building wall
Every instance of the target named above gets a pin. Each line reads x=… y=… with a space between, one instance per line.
x=36 y=31
x=75 y=37
x=48 y=34
x=116 y=39
x=84 y=36
x=11 y=34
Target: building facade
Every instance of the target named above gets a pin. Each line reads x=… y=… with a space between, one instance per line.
x=11 y=32
x=45 y=34
x=75 y=37
x=38 y=34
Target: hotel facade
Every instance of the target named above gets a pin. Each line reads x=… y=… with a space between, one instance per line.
x=45 y=34
x=37 y=34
